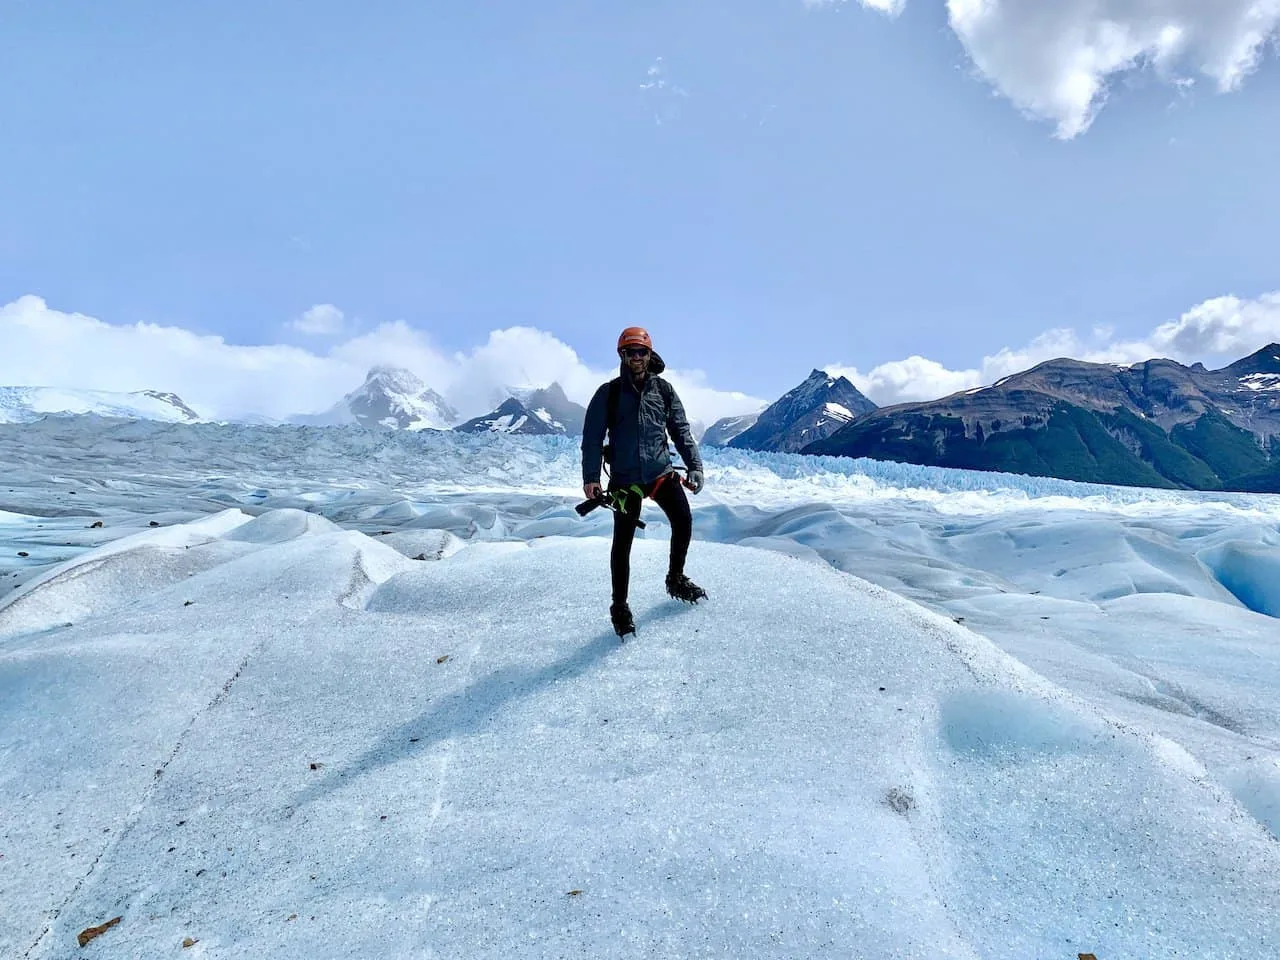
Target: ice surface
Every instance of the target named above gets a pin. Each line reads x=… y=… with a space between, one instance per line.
x=925 y=713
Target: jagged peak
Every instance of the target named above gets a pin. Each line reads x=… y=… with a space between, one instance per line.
x=1263 y=360
x=1271 y=351
x=552 y=391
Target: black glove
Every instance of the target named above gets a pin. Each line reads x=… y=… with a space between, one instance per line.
x=695 y=480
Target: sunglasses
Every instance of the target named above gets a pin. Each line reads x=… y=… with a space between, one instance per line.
x=638 y=352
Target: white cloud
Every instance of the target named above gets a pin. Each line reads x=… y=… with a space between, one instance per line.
x=902 y=381
x=1054 y=60
x=1215 y=333
x=705 y=403
x=891 y=7
x=1221 y=327
x=323 y=319
x=47 y=347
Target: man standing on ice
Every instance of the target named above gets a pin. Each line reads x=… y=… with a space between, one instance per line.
x=638 y=409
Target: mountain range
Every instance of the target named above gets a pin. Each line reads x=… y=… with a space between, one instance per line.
x=1157 y=423
x=533 y=412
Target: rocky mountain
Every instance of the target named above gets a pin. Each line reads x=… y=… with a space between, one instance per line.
x=512 y=416
x=1156 y=423
x=813 y=411
x=533 y=412
x=552 y=407
x=390 y=398
x=25 y=404
x=726 y=428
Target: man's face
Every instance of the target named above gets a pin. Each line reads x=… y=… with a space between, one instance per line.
x=637 y=359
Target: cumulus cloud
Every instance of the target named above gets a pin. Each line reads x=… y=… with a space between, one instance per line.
x=1215 y=333
x=902 y=381
x=323 y=319
x=705 y=403
x=48 y=347
x=1221 y=327
x=1055 y=59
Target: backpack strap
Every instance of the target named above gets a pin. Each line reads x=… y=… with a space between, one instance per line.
x=611 y=405
x=666 y=390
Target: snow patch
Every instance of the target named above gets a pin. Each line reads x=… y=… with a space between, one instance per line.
x=1261 y=381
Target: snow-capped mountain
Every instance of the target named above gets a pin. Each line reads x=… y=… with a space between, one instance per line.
x=390 y=398
x=512 y=416
x=532 y=412
x=25 y=404
x=814 y=410
x=726 y=428
x=552 y=407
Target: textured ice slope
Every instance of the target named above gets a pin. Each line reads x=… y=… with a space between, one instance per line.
x=311 y=746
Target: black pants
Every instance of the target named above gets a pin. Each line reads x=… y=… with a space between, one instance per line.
x=669 y=496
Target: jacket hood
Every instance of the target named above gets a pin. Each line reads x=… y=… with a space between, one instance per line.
x=656 y=365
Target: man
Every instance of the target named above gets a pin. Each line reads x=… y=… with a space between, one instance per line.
x=638 y=409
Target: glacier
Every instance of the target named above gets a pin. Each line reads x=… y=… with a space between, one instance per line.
x=337 y=692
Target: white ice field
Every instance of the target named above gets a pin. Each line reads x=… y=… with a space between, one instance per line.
x=925 y=713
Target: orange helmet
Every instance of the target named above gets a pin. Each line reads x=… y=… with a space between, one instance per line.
x=634 y=337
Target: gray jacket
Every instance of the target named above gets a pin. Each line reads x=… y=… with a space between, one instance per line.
x=638 y=436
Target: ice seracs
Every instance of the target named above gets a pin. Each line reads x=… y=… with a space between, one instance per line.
x=280 y=730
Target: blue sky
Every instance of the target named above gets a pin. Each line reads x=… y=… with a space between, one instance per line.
x=767 y=185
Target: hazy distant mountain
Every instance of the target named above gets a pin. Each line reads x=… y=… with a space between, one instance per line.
x=726 y=428
x=1156 y=423
x=812 y=411
x=25 y=404
x=391 y=398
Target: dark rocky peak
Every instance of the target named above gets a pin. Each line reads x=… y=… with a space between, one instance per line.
x=553 y=407
x=817 y=389
x=553 y=394
x=811 y=411
x=1266 y=360
x=512 y=416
